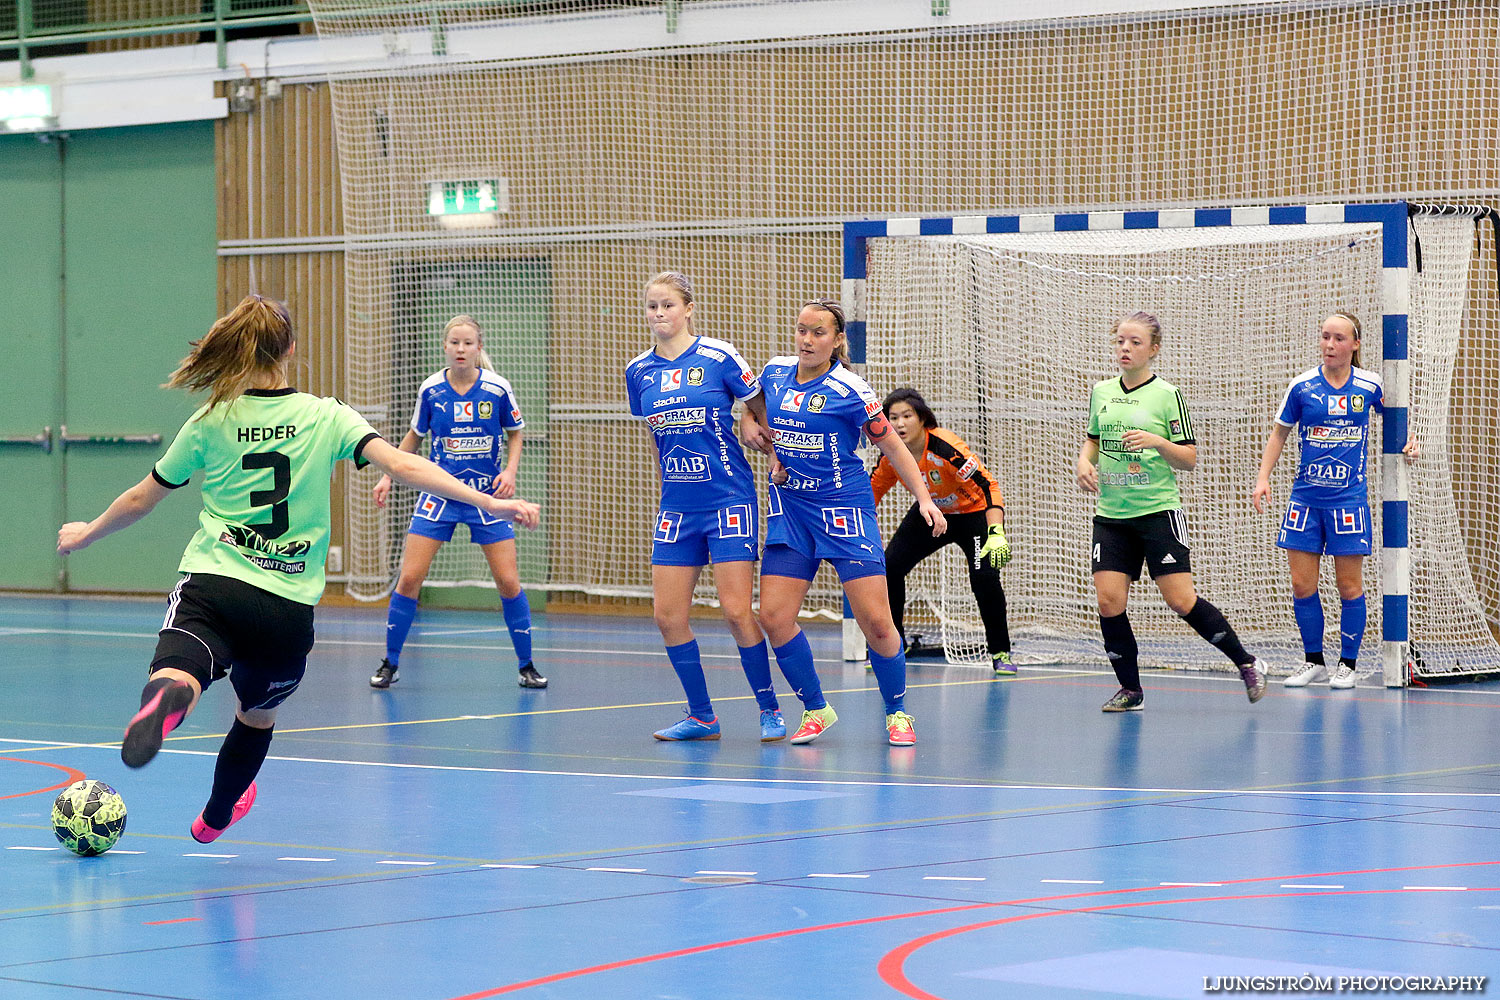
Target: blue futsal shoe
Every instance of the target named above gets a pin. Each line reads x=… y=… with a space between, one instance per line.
x=690 y=729
x=772 y=725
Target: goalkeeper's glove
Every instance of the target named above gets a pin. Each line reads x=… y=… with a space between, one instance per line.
x=996 y=549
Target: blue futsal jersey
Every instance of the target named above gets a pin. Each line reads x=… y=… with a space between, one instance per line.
x=1333 y=431
x=686 y=402
x=817 y=426
x=468 y=438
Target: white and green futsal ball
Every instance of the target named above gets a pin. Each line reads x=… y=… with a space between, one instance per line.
x=88 y=817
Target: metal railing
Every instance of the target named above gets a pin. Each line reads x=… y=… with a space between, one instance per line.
x=31 y=32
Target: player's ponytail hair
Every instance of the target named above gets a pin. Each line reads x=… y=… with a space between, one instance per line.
x=467 y=320
x=1353 y=321
x=1139 y=318
x=832 y=308
x=249 y=343
x=679 y=283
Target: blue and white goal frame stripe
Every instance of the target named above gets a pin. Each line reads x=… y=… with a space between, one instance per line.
x=1395 y=325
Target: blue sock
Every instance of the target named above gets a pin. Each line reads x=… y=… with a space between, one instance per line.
x=757 y=664
x=397 y=624
x=689 y=667
x=1309 y=614
x=890 y=674
x=517 y=611
x=796 y=662
x=1352 y=618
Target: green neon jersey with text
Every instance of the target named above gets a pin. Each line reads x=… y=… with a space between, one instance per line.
x=1135 y=483
x=266 y=460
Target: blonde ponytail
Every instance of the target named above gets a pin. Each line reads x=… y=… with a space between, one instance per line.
x=239 y=349
x=464 y=319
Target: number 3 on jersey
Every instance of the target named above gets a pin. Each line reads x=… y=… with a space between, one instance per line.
x=275 y=497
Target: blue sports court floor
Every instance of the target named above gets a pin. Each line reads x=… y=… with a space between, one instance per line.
x=458 y=836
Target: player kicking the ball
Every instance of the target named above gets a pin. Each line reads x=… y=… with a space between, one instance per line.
x=254 y=570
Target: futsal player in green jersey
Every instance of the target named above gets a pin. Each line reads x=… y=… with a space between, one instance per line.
x=254 y=570
x=1139 y=435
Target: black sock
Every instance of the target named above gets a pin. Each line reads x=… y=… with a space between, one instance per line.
x=1314 y=658
x=154 y=685
x=1344 y=661
x=1209 y=622
x=1119 y=645
x=240 y=758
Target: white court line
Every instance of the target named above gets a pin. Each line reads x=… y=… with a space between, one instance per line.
x=833 y=875
x=1191 y=885
x=1437 y=888
x=725 y=873
x=1073 y=881
x=622 y=871
x=817 y=782
x=414 y=864
x=458 y=631
x=115 y=851
x=304 y=859
x=951 y=878
x=1299 y=885
x=510 y=866
x=210 y=855
x=33 y=848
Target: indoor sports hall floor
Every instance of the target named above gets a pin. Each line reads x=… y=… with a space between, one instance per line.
x=458 y=836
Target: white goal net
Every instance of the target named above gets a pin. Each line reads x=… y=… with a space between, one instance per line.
x=1005 y=334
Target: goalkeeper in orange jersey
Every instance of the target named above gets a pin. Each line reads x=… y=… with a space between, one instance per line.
x=970 y=499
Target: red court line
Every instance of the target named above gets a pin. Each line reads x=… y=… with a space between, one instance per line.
x=72 y=772
x=777 y=935
x=892 y=965
x=179 y=920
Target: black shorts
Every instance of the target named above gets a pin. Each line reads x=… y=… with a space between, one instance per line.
x=1159 y=539
x=218 y=626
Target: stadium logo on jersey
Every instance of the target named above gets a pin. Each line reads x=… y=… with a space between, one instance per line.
x=815 y=404
x=695 y=416
x=695 y=376
x=1359 y=404
x=843 y=522
x=1338 y=406
x=486 y=409
x=682 y=466
x=463 y=412
x=793 y=400
x=671 y=379
x=799 y=441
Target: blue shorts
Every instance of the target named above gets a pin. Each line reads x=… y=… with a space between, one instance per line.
x=783 y=560
x=848 y=537
x=699 y=537
x=436 y=518
x=1334 y=531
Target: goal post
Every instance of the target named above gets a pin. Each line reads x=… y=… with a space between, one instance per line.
x=1000 y=320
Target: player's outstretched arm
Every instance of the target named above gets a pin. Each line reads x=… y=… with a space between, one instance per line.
x=128 y=508
x=1268 y=459
x=411 y=442
x=879 y=430
x=429 y=478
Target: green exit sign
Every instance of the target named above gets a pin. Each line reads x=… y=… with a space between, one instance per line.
x=468 y=197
